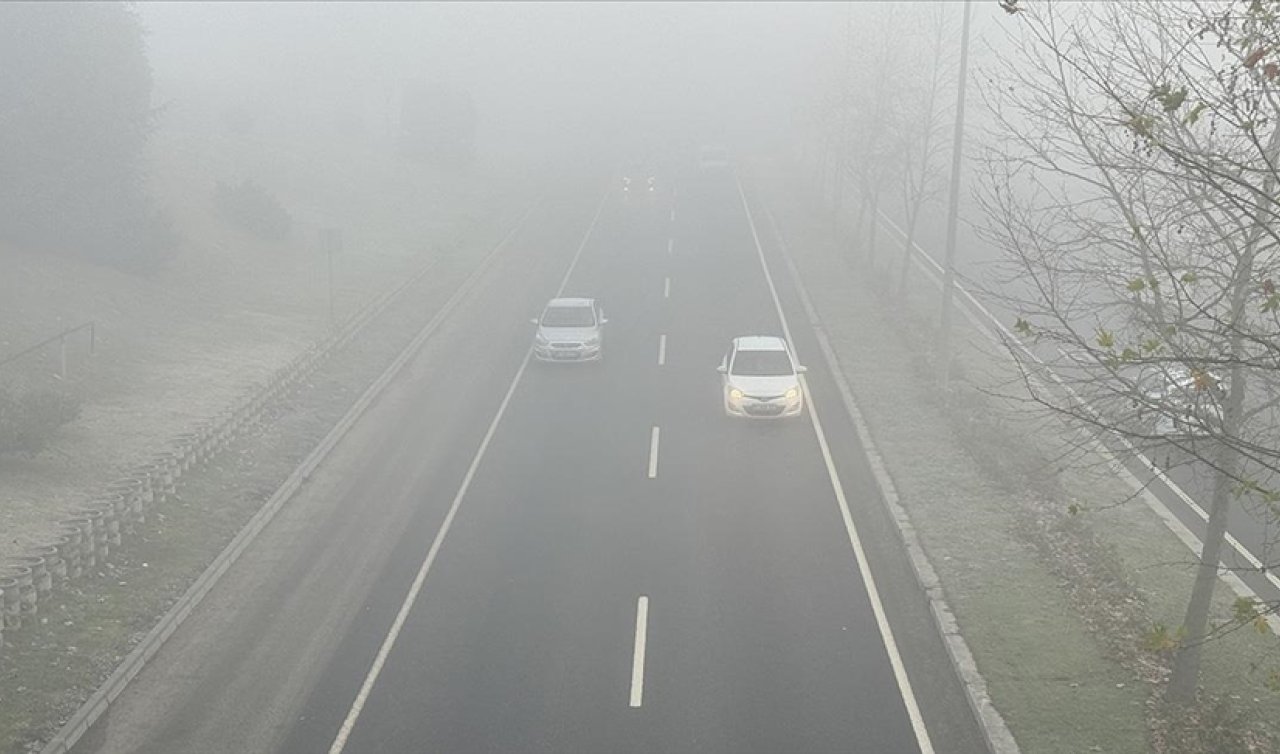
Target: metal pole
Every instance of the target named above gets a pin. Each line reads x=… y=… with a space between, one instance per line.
x=953 y=213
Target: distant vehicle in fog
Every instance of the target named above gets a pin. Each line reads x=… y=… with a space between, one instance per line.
x=640 y=180
x=570 y=329
x=712 y=158
x=760 y=379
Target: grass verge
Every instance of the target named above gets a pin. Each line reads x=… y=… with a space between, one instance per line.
x=1055 y=606
x=49 y=669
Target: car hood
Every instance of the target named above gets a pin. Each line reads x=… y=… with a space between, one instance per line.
x=568 y=334
x=763 y=386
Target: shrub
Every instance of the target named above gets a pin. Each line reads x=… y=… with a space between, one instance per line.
x=253 y=209
x=29 y=422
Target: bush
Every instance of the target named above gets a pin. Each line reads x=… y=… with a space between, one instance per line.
x=29 y=422
x=251 y=208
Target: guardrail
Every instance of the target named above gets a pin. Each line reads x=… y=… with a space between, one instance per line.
x=987 y=323
x=61 y=340
x=92 y=531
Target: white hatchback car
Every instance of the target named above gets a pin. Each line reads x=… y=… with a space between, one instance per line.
x=570 y=329
x=760 y=378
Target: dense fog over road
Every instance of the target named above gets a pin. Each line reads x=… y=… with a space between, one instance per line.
x=558 y=79
x=742 y=378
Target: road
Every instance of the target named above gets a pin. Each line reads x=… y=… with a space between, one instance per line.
x=508 y=556
x=1180 y=481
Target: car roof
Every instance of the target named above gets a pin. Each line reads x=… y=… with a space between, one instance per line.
x=570 y=302
x=760 y=343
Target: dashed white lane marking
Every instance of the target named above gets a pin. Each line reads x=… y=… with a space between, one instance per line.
x=671 y=244
x=673 y=215
x=653 y=454
x=637 y=654
x=662 y=349
x=666 y=287
x=384 y=651
x=855 y=541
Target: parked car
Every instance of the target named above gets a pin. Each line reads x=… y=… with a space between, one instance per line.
x=570 y=329
x=760 y=378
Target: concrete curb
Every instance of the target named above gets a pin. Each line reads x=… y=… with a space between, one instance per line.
x=995 y=731
x=118 y=681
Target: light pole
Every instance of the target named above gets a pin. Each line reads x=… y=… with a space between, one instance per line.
x=953 y=214
x=332 y=240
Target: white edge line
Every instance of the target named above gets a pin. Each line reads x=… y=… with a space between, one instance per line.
x=116 y=684
x=653 y=453
x=934 y=269
x=999 y=739
x=662 y=349
x=384 y=651
x=637 y=654
x=864 y=567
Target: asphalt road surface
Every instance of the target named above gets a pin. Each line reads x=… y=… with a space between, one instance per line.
x=510 y=556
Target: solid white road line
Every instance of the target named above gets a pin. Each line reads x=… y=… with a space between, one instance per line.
x=653 y=453
x=662 y=349
x=384 y=651
x=666 y=287
x=855 y=541
x=637 y=654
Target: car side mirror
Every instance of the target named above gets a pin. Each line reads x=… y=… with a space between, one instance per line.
x=533 y=320
x=801 y=370
x=722 y=369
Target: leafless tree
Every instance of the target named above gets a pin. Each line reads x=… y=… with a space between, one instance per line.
x=923 y=122
x=1132 y=186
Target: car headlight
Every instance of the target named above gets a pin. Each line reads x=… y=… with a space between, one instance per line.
x=541 y=339
x=592 y=341
x=793 y=393
x=735 y=394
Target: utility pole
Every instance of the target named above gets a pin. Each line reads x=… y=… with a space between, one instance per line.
x=953 y=214
x=332 y=239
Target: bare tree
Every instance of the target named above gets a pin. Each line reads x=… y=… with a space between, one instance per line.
x=922 y=125
x=1132 y=187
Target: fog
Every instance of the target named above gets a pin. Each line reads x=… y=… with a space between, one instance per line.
x=513 y=377
x=567 y=80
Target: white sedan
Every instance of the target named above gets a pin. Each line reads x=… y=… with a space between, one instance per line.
x=760 y=378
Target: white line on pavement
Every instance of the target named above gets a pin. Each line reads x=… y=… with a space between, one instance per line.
x=653 y=453
x=637 y=655
x=671 y=243
x=662 y=349
x=855 y=540
x=384 y=651
x=666 y=287
x=673 y=214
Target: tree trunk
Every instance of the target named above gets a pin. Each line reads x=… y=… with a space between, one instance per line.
x=907 y=250
x=871 y=232
x=862 y=215
x=1186 y=665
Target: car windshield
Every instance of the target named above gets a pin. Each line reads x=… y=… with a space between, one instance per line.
x=762 y=364
x=568 y=316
